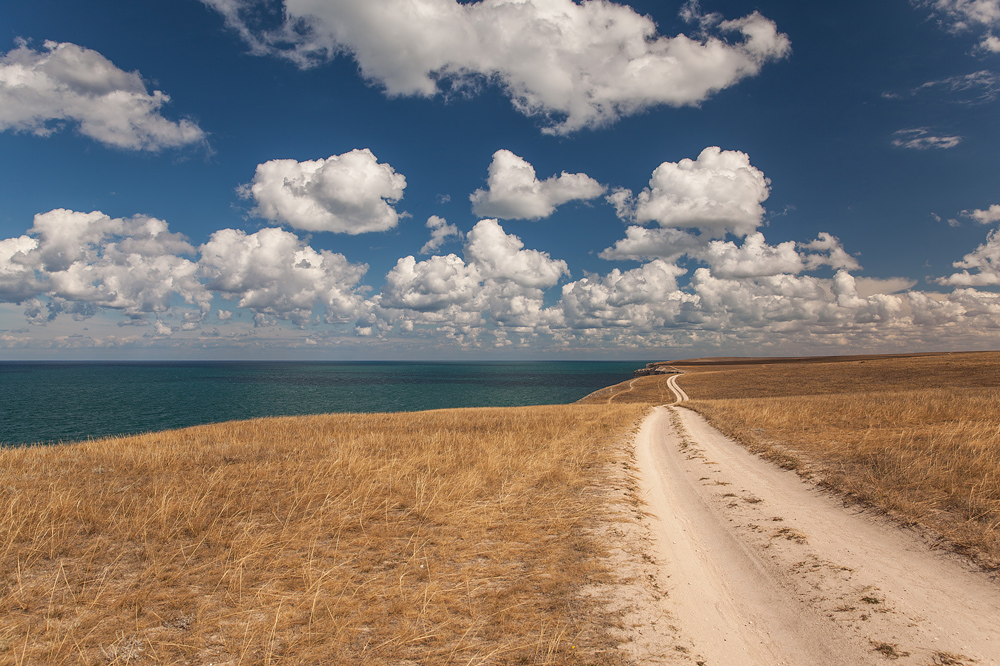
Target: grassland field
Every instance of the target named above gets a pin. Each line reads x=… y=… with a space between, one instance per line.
x=472 y=536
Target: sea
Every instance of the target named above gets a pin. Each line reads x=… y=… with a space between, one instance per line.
x=49 y=402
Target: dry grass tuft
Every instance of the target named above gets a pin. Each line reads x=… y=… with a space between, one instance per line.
x=447 y=537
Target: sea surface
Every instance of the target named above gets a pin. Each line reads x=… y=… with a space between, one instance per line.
x=53 y=402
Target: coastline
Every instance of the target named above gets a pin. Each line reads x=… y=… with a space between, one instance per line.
x=52 y=402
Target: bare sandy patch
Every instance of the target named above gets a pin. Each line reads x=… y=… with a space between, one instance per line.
x=758 y=566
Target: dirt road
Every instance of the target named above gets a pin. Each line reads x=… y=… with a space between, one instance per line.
x=758 y=566
x=678 y=391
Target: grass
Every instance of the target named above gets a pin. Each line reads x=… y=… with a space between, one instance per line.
x=917 y=437
x=650 y=390
x=476 y=536
x=447 y=537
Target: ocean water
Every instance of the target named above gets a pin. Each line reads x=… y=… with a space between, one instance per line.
x=53 y=402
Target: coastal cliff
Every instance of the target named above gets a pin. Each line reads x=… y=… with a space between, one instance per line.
x=655 y=369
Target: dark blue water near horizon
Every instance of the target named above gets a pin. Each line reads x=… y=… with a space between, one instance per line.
x=45 y=402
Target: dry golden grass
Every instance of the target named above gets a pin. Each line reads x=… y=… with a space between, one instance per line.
x=447 y=537
x=918 y=437
x=650 y=390
x=843 y=375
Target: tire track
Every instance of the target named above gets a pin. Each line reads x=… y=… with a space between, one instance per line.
x=630 y=387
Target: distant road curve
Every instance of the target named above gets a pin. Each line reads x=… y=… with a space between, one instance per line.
x=678 y=391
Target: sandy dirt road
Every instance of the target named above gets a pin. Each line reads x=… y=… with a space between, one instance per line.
x=758 y=566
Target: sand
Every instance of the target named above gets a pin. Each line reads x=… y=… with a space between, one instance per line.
x=755 y=565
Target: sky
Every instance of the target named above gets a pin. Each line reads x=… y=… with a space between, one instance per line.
x=503 y=179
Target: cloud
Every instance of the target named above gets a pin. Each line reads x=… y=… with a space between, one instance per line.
x=501 y=256
x=497 y=282
x=40 y=91
x=969 y=15
x=751 y=258
x=985 y=260
x=920 y=138
x=697 y=203
x=828 y=252
x=646 y=307
x=988 y=216
x=717 y=193
x=514 y=192
x=17 y=273
x=867 y=287
x=351 y=193
x=644 y=297
x=747 y=293
x=441 y=231
x=85 y=261
x=695 y=292
x=977 y=87
x=786 y=305
x=430 y=285
x=642 y=243
x=754 y=258
x=573 y=65
x=275 y=274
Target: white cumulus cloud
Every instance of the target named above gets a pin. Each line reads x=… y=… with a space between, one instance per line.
x=576 y=65
x=754 y=258
x=988 y=216
x=514 y=191
x=697 y=203
x=647 y=307
x=351 y=193
x=643 y=243
x=275 y=274
x=826 y=250
x=720 y=192
x=40 y=91
x=501 y=256
x=441 y=231
x=984 y=260
x=17 y=269
x=497 y=282
x=85 y=261
x=430 y=285
x=646 y=298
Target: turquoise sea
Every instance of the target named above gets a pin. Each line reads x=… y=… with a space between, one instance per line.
x=52 y=402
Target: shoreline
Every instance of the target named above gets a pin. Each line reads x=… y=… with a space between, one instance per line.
x=74 y=402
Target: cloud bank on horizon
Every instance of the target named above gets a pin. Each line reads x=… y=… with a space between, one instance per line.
x=496 y=292
x=690 y=266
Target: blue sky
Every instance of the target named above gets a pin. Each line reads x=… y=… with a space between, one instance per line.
x=412 y=179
